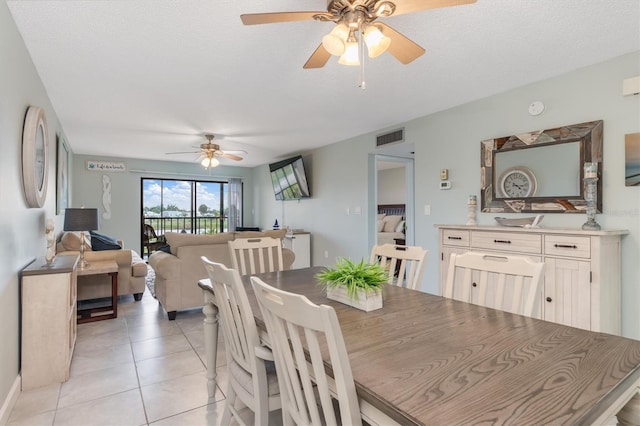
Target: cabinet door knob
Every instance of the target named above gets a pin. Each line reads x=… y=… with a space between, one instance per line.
x=474 y=285
x=549 y=299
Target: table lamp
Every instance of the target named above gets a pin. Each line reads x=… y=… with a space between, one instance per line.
x=81 y=220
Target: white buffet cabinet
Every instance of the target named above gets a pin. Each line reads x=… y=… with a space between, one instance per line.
x=582 y=268
x=300 y=244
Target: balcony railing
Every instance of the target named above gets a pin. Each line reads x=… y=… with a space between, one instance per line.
x=192 y=225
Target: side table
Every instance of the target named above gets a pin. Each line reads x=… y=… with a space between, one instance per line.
x=109 y=267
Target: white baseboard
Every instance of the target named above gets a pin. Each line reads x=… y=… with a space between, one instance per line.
x=10 y=401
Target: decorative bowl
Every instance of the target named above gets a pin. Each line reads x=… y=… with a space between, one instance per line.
x=524 y=222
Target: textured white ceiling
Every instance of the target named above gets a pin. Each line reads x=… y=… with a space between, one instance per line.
x=139 y=78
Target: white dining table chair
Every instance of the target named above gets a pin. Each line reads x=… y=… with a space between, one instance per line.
x=251 y=371
x=509 y=283
x=256 y=255
x=306 y=388
x=405 y=264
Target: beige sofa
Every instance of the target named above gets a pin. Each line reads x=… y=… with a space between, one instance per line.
x=178 y=272
x=131 y=269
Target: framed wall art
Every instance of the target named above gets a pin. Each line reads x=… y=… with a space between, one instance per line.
x=632 y=159
x=62 y=176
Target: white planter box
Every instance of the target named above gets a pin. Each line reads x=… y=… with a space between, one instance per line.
x=364 y=302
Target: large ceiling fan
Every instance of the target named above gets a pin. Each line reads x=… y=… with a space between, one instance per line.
x=356 y=21
x=209 y=153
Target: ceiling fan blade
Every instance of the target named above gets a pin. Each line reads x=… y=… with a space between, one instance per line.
x=230 y=156
x=318 y=59
x=401 y=47
x=271 y=18
x=408 y=6
x=183 y=152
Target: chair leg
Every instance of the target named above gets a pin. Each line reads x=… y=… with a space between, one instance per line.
x=261 y=415
x=231 y=400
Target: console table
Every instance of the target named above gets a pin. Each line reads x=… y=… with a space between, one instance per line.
x=582 y=268
x=48 y=320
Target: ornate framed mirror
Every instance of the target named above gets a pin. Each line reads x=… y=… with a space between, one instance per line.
x=540 y=172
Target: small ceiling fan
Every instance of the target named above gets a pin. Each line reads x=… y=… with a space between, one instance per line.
x=209 y=153
x=353 y=17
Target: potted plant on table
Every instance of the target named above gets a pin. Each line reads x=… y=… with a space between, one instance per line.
x=355 y=284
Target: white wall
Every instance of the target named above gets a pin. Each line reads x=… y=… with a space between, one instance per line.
x=451 y=139
x=392 y=186
x=21 y=228
x=126 y=196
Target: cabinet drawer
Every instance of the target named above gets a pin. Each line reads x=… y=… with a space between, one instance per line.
x=570 y=246
x=506 y=241
x=455 y=237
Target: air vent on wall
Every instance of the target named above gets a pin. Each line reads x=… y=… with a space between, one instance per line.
x=391 y=137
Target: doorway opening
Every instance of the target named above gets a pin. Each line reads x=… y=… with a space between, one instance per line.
x=391 y=205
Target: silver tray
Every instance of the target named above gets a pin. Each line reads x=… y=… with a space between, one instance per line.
x=524 y=222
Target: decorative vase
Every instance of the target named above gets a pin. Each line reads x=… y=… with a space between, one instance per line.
x=591 y=195
x=472 y=203
x=365 y=302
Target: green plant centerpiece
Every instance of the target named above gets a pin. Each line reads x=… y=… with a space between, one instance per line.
x=358 y=284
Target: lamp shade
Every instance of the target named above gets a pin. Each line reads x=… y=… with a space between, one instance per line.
x=81 y=219
x=377 y=43
x=209 y=162
x=350 y=55
x=334 y=42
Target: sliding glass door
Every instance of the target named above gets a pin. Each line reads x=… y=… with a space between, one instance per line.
x=188 y=206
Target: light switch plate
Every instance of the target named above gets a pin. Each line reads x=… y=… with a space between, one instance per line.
x=445 y=184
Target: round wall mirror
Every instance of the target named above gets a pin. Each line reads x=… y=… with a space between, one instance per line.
x=35 y=162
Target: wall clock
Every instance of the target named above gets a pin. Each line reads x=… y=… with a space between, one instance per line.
x=517 y=182
x=35 y=159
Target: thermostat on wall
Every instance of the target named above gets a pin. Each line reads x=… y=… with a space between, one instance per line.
x=445 y=184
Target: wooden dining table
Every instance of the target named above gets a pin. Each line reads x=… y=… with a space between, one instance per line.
x=426 y=360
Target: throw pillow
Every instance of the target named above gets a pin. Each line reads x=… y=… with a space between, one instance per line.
x=380 y=225
x=165 y=248
x=103 y=242
x=381 y=216
x=390 y=223
x=71 y=241
x=400 y=227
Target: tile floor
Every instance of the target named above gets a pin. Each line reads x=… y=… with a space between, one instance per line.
x=138 y=369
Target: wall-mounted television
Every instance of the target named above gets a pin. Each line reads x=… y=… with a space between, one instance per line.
x=289 y=179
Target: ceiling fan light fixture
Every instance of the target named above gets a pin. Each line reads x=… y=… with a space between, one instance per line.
x=335 y=41
x=209 y=162
x=351 y=55
x=377 y=43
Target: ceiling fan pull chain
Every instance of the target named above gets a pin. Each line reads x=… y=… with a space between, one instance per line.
x=363 y=84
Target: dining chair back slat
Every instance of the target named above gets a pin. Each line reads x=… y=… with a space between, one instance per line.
x=256 y=255
x=405 y=264
x=305 y=338
x=509 y=283
x=250 y=380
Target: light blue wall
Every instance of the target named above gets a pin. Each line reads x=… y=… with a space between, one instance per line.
x=451 y=139
x=125 y=191
x=21 y=228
